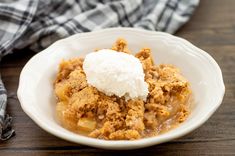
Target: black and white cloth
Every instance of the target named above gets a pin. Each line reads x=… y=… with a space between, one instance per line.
x=38 y=23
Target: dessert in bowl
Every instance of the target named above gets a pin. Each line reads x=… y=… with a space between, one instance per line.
x=113 y=95
x=199 y=74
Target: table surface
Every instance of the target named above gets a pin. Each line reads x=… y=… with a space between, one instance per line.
x=212 y=28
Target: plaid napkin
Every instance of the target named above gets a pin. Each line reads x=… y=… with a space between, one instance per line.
x=38 y=23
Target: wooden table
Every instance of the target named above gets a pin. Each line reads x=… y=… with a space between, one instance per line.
x=212 y=28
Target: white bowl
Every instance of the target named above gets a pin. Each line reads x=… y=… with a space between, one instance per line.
x=37 y=99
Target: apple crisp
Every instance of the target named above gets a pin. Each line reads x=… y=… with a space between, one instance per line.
x=83 y=109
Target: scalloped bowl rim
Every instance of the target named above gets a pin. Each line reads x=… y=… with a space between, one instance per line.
x=122 y=144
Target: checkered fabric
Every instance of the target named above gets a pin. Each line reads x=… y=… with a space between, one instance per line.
x=38 y=23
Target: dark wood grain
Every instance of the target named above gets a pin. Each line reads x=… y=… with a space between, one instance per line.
x=212 y=28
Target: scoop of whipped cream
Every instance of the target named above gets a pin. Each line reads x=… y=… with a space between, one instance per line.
x=116 y=73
